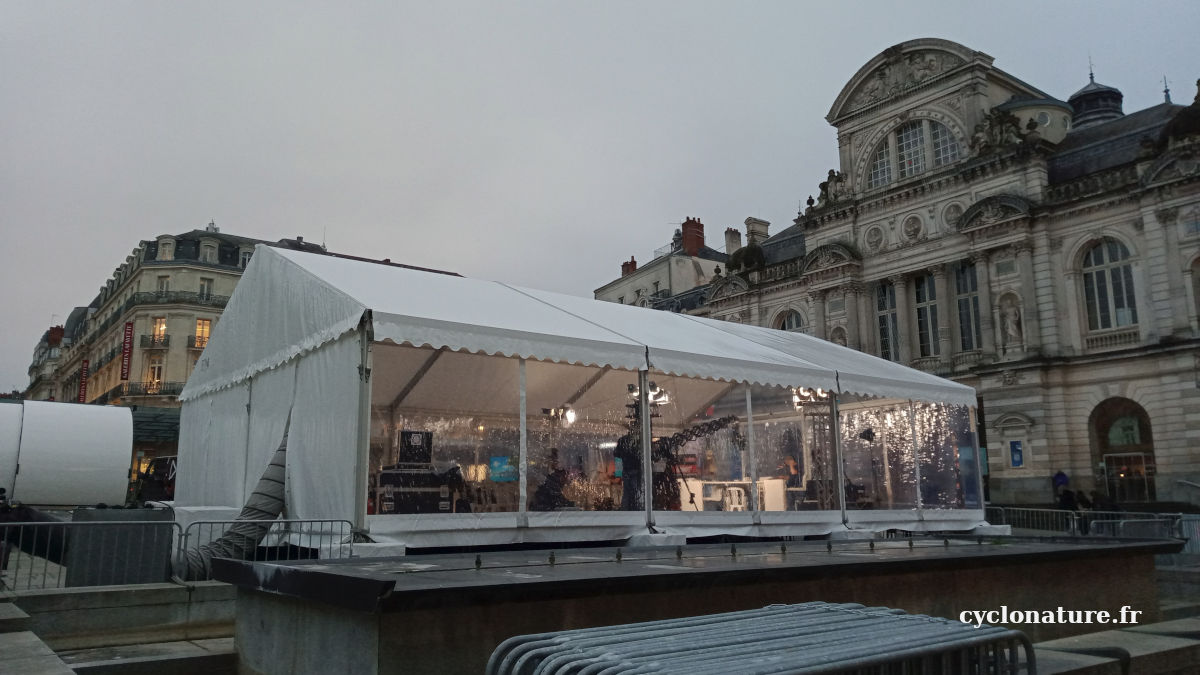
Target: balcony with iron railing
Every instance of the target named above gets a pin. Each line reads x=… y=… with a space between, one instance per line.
x=156 y=341
x=197 y=341
x=159 y=298
x=106 y=358
x=131 y=389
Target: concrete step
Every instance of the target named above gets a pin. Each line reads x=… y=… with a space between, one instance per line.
x=1051 y=662
x=12 y=619
x=214 y=656
x=22 y=652
x=1140 y=652
x=1169 y=610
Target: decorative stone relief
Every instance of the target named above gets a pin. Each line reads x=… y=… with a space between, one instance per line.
x=900 y=73
x=1166 y=216
x=912 y=227
x=951 y=215
x=874 y=239
x=1010 y=377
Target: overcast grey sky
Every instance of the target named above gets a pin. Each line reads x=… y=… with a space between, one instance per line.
x=540 y=143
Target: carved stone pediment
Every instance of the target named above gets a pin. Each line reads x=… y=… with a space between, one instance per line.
x=728 y=286
x=994 y=210
x=1172 y=166
x=1013 y=419
x=829 y=256
x=900 y=72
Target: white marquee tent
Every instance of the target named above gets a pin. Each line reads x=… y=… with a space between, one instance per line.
x=353 y=350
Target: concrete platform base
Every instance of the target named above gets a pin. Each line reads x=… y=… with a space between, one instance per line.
x=445 y=615
x=193 y=657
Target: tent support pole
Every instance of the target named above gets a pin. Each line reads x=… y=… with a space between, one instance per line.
x=753 y=459
x=363 y=454
x=912 y=421
x=839 y=457
x=647 y=454
x=980 y=462
x=523 y=452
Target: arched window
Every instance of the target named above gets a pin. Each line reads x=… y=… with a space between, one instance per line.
x=1108 y=286
x=910 y=150
x=791 y=321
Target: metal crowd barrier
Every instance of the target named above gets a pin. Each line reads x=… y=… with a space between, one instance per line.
x=1095 y=523
x=41 y=555
x=1146 y=528
x=285 y=540
x=814 y=637
x=49 y=554
x=1189 y=529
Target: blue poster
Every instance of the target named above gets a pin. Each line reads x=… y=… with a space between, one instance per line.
x=1018 y=457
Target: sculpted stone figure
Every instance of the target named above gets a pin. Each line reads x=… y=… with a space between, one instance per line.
x=1010 y=319
x=831 y=188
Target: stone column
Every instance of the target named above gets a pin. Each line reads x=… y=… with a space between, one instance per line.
x=1189 y=288
x=944 y=305
x=987 y=328
x=904 y=322
x=867 y=325
x=853 y=340
x=1031 y=330
x=816 y=299
x=1069 y=332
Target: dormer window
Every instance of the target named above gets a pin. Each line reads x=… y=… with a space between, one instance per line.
x=907 y=151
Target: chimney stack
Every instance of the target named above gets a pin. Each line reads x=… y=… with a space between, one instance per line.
x=693 y=236
x=733 y=240
x=756 y=231
x=628 y=268
x=56 y=336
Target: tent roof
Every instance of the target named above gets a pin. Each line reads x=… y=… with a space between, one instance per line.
x=289 y=303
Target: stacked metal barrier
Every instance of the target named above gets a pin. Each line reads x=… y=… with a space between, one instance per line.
x=814 y=637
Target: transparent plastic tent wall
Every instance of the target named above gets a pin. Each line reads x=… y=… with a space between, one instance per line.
x=446 y=446
x=524 y=450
